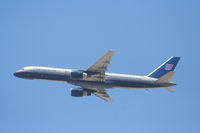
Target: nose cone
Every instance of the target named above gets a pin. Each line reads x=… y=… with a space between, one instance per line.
x=20 y=74
x=16 y=74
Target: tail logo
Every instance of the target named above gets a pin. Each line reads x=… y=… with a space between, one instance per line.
x=168 y=66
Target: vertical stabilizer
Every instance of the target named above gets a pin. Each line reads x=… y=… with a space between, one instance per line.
x=165 y=68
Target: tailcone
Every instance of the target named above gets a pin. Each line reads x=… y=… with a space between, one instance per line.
x=167 y=84
x=172 y=84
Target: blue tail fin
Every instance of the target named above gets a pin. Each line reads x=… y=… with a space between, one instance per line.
x=166 y=67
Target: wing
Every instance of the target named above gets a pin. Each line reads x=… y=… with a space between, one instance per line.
x=103 y=95
x=97 y=70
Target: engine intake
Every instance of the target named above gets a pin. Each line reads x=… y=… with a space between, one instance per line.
x=78 y=75
x=80 y=92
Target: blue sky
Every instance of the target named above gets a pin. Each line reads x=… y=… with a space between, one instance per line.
x=74 y=34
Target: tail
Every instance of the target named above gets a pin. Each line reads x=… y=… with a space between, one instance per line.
x=166 y=79
x=165 y=68
x=164 y=73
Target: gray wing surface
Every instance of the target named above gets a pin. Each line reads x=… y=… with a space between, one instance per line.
x=98 y=69
x=103 y=95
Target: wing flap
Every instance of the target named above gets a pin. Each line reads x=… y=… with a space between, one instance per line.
x=103 y=95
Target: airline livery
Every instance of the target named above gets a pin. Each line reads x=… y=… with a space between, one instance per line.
x=96 y=81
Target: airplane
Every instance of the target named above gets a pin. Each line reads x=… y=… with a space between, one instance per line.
x=95 y=80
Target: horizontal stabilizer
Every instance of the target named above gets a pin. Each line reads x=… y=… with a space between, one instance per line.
x=170 y=89
x=166 y=78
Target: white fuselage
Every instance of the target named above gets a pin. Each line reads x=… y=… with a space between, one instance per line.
x=112 y=80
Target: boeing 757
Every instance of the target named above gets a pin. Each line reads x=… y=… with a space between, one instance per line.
x=95 y=80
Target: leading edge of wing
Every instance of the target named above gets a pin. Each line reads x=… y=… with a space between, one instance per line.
x=101 y=65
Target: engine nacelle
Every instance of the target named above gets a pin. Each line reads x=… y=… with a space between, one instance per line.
x=80 y=92
x=78 y=75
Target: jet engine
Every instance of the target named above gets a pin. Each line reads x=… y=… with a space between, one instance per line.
x=80 y=92
x=78 y=75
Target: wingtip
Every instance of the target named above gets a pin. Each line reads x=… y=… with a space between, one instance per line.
x=111 y=50
x=109 y=100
